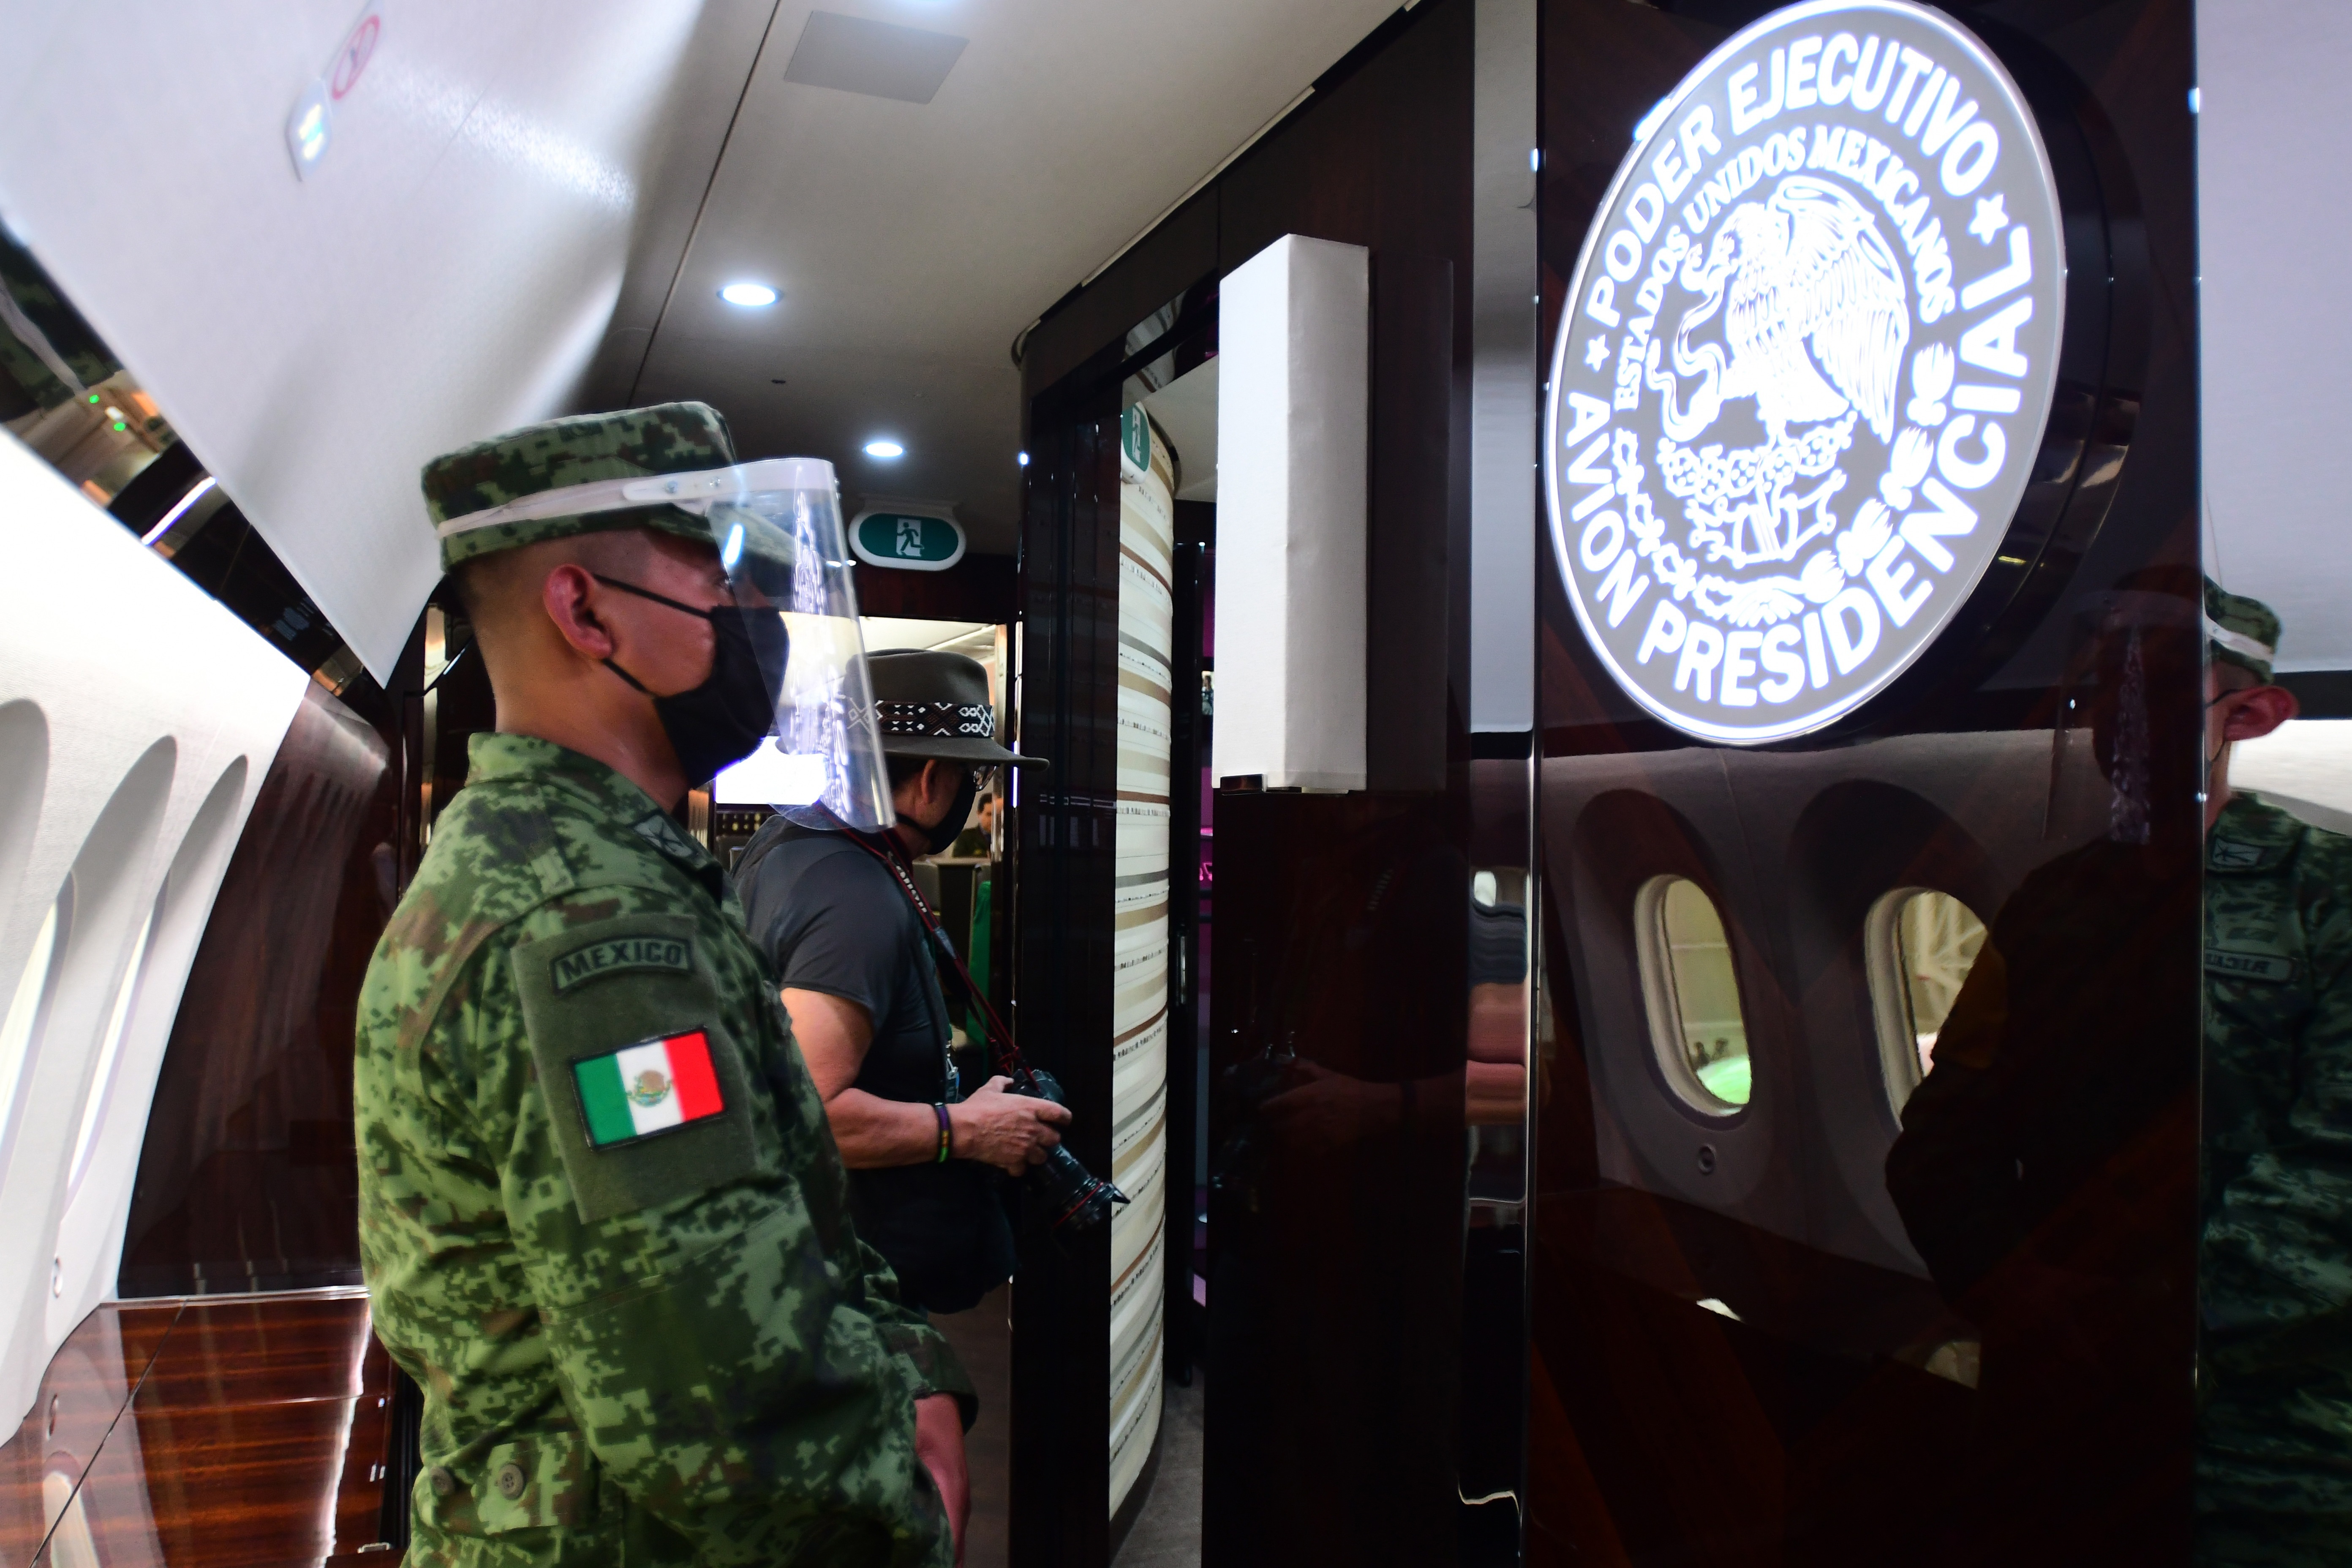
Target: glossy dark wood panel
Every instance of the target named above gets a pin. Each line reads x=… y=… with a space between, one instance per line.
x=1063 y=834
x=1749 y=1358
x=263 y=1351
x=87 y=1382
x=1378 y=157
x=976 y=589
x=247 y=1175
x=1176 y=255
x=1339 y=1028
x=1806 y=1416
x=1335 y=1219
x=1418 y=461
x=1333 y=1352
x=239 y=1433
x=1191 y=898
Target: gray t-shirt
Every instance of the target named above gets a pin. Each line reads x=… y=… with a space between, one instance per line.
x=832 y=917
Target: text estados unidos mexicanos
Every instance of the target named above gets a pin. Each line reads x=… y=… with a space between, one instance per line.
x=1693 y=177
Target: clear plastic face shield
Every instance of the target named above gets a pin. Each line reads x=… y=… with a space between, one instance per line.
x=777 y=525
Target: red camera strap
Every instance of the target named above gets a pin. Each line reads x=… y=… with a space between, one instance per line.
x=1003 y=1052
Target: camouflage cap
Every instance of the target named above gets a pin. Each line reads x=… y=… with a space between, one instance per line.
x=668 y=439
x=2242 y=631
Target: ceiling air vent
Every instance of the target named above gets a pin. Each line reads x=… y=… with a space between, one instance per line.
x=876 y=58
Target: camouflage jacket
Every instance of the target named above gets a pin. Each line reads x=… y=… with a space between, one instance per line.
x=604 y=1221
x=2275 y=1290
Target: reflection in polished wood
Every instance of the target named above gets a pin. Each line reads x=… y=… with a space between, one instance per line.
x=1805 y=1377
x=248 y=1432
x=87 y=1382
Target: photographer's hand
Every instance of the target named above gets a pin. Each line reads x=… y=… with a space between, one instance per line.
x=1320 y=1112
x=1010 y=1131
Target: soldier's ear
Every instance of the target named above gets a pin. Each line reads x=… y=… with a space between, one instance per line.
x=2260 y=710
x=569 y=594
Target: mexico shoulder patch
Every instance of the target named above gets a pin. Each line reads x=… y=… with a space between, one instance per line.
x=672 y=954
x=2232 y=965
x=651 y=1087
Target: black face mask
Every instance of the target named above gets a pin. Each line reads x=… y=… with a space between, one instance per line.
x=722 y=720
x=959 y=811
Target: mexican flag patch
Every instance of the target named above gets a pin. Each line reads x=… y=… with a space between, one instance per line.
x=649 y=1087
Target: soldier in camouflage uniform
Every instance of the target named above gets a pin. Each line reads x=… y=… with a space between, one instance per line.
x=2274 y=1378
x=603 y=1222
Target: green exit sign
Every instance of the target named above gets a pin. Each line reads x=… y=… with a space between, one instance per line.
x=909 y=542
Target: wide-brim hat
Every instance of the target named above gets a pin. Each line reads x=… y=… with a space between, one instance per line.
x=928 y=704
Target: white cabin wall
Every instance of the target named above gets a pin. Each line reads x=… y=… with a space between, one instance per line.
x=2276 y=339
x=449 y=269
x=162 y=712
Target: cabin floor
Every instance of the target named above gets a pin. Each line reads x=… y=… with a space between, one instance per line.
x=983 y=1340
x=1167 y=1533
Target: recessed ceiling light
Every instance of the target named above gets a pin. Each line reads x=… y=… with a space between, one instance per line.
x=750 y=295
x=885 y=449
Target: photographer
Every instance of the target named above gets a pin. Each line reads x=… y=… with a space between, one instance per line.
x=835 y=912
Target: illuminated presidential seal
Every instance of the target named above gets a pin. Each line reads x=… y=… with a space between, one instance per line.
x=1804 y=367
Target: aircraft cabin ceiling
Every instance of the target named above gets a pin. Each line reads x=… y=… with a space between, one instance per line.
x=528 y=208
x=911 y=242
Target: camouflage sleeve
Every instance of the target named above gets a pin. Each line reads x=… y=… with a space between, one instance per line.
x=931 y=1363
x=696 y=1282
x=2278 y=1250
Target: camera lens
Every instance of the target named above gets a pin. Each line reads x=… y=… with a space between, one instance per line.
x=1074 y=1196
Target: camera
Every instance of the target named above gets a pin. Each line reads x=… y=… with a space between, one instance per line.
x=1078 y=1199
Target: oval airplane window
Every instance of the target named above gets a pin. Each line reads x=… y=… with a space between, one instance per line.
x=1691 y=993
x=110 y=1049
x=1919 y=944
x=26 y=1006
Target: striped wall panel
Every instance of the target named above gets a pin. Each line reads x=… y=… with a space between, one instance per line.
x=1141 y=911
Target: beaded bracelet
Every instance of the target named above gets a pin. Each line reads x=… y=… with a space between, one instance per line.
x=940 y=1105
